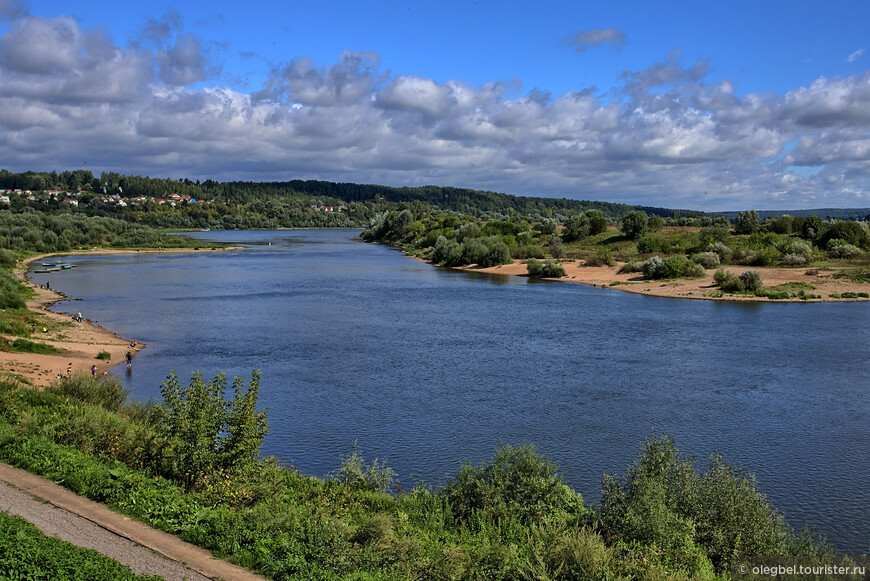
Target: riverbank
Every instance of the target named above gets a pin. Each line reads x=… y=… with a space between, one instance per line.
x=79 y=341
x=815 y=281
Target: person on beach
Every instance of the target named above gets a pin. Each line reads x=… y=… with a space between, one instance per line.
x=93 y=371
x=69 y=370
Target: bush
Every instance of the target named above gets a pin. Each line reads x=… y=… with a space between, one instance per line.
x=107 y=392
x=747 y=222
x=576 y=227
x=751 y=280
x=635 y=224
x=546 y=269
x=707 y=259
x=518 y=482
x=556 y=248
x=11 y=291
x=663 y=501
x=601 y=258
x=354 y=473
x=104 y=356
x=793 y=260
x=727 y=281
x=209 y=432
x=722 y=250
x=631 y=266
x=498 y=253
x=651 y=266
x=528 y=251
x=467 y=230
x=648 y=244
x=838 y=248
x=474 y=250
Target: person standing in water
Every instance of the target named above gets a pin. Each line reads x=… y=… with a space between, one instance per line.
x=129 y=360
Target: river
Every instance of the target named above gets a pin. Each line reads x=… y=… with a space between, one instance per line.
x=430 y=367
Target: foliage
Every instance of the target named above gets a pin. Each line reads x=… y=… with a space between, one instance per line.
x=839 y=248
x=27 y=553
x=210 y=432
x=655 y=223
x=517 y=482
x=751 y=280
x=603 y=257
x=545 y=269
x=747 y=222
x=555 y=246
x=107 y=392
x=547 y=227
x=354 y=473
x=663 y=500
x=576 y=227
x=722 y=250
x=635 y=225
x=631 y=266
x=24 y=346
x=11 y=291
x=707 y=259
x=104 y=355
x=498 y=253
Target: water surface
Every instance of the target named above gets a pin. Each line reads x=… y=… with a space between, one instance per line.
x=430 y=367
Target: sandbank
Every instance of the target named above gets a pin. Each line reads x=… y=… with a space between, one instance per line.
x=823 y=280
x=79 y=342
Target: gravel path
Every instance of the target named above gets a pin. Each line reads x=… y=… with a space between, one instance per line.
x=58 y=512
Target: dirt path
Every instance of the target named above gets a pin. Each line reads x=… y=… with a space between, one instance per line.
x=72 y=518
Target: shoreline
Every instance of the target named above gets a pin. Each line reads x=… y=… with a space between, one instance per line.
x=79 y=341
x=688 y=288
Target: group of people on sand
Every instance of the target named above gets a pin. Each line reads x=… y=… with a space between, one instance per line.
x=95 y=372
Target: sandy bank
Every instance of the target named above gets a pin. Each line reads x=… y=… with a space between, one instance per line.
x=823 y=280
x=80 y=342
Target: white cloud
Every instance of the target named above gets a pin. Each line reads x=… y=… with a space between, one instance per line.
x=666 y=138
x=586 y=39
x=855 y=55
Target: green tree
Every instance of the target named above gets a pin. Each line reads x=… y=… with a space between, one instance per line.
x=747 y=222
x=597 y=222
x=635 y=224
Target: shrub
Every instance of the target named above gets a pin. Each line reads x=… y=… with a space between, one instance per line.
x=354 y=473
x=498 y=253
x=707 y=259
x=467 y=230
x=747 y=222
x=793 y=260
x=209 y=432
x=727 y=281
x=104 y=355
x=597 y=222
x=651 y=266
x=556 y=248
x=751 y=280
x=842 y=249
x=107 y=392
x=528 y=251
x=11 y=291
x=648 y=244
x=576 y=227
x=631 y=266
x=473 y=251
x=722 y=250
x=635 y=224
x=663 y=500
x=518 y=482
x=546 y=269
x=601 y=258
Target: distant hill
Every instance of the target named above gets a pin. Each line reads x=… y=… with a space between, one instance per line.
x=857 y=214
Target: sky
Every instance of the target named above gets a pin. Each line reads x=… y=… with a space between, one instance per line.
x=682 y=104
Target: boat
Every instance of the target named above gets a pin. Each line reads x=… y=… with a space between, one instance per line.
x=53 y=269
x=66 y=266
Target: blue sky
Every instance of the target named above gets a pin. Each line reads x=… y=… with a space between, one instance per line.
x=701 y=105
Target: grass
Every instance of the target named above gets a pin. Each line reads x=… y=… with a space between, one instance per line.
x=855 y=275
x=27 y=553
x=25 y=346
x=510 y=518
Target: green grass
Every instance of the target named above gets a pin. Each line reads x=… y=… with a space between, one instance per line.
x=24 y=346
x=509 y=518
x=27 y=553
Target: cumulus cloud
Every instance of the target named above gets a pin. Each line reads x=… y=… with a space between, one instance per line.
x=586 y=39
x=665 y=137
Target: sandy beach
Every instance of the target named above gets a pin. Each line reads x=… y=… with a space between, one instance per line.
x=80 y=342
x=698 y=288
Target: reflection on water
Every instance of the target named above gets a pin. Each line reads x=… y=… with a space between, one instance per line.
x=430 y=367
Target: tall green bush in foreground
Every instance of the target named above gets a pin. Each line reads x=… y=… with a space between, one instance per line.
x=720 y=514
x=209 y=432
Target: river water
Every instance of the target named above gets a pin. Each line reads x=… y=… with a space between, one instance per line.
x=430 y=367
